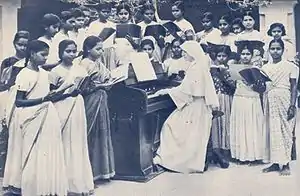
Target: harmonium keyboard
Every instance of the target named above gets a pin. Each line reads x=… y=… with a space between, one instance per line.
x=137 y=116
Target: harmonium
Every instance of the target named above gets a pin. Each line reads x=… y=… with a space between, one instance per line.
x=137 y=116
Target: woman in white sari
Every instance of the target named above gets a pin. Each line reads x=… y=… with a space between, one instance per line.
x=74 y=126
x=35 y=162
x=280 y=108
x=186 y=132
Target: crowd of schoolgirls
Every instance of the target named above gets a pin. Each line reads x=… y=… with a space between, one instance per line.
x=59 y=136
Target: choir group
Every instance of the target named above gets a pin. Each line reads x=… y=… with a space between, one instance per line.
x=55 y=106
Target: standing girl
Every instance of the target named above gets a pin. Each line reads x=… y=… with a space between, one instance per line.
x=99 y=135
x=246 y=121
x=226 y=37
x=249 y=33
x=35 y=162
x=177 y=63
x=148 y=11
x=221 y=126
x=277 y=31
x=178 y=13
x=209 y=34
x=280 y=108
x=74 y=126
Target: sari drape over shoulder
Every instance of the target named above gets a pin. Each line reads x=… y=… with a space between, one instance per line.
x=185 y=134
x=277 y=101
x=35 y=162
x=98 y=124
x=74 y=134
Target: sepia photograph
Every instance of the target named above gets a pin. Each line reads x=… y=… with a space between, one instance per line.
x=149 y=97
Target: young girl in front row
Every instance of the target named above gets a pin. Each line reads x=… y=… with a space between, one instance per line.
x=97 y=113
x=221 y=126
x=246 y=121
x=74 y=126
x=35 y=162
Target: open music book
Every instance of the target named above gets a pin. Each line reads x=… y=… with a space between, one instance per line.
x=251 y=75
x=118 y=74
x=142 y=66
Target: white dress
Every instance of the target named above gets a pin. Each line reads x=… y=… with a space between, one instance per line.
x=35 y=162
x=74 y=134
x=246 y=124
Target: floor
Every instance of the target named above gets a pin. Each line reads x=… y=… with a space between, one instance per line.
x=234 y=181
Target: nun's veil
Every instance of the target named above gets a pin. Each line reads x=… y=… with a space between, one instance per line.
x=194 y=49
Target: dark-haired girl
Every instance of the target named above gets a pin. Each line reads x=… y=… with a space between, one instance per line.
x=177 y=64
x=51 y=25
x=124 y=13
x=148 y=11
x=249 y=33
x=10 y=68
x=72 y=116
x=35 y=162
x=209 y=34
x=221 y=126
x=277 y=31
x=8 y=71
x=237 y=26
x=178 y=14
x=246 y=120
x=226 y=37
x=280 y=108
x=97 y=113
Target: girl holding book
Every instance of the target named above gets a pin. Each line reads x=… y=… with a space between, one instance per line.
x=70 y=107
x=246 y=120
x=97 y=113
x=35 y=162
x=148 y=11
x=221 y=126
x=280 y=108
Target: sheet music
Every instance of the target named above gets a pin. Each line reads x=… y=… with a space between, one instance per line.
x=142 y=66
x=234 y=70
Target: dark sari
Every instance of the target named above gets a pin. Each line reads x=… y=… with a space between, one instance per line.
x=98 y=123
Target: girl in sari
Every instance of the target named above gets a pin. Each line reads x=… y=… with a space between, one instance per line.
x=185 y=134
x=97 y=114
x=72 y=116
x=280 y=108
x=246 y=120
x=35 y=162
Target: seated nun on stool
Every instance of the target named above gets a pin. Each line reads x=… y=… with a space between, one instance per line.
x=185 y=134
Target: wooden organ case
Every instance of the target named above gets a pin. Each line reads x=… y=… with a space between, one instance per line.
x=136 y=120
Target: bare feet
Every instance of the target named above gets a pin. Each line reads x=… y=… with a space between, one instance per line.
x=285 y=171
x=272 y=168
